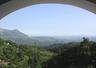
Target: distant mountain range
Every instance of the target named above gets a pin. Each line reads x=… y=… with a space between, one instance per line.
x=21 y=38
x=15 y=36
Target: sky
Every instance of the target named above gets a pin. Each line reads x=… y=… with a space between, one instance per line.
x=51 y=20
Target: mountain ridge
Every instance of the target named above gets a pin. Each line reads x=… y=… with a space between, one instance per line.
x=21 y=38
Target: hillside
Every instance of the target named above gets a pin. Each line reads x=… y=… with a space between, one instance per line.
x=81 y=56
x=69 y=55
x=15 y=36
x=21 y=38
x=21 y=56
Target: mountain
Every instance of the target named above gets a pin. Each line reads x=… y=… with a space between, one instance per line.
x=12 y=33
x=21 y=38
x=15 y=36
x=46 y=40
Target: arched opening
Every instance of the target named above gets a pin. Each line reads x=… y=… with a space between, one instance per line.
x=55 y=52
x=80 y=13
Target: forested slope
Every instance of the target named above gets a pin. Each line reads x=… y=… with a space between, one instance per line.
x=22 y=56
x=70 y=55
x=81 y=56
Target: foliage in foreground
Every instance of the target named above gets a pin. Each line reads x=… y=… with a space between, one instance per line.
x=22 y=56
x=81 y=56
x=71 y=55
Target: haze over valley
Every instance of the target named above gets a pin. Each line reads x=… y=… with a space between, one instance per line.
x=21 y=38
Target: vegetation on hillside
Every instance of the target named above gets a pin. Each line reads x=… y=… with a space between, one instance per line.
x=71 y=55
x=82 y=55
x=22 y=56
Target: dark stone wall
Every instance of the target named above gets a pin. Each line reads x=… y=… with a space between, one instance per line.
x=3 y=1
x=93 y=1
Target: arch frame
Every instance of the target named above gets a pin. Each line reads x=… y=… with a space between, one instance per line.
x=14 y=5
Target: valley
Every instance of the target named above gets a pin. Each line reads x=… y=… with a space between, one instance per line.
x=18 y=50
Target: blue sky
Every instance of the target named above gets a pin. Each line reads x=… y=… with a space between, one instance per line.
x=51 y=20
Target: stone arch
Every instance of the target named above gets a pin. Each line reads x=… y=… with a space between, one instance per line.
x=13 y=5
